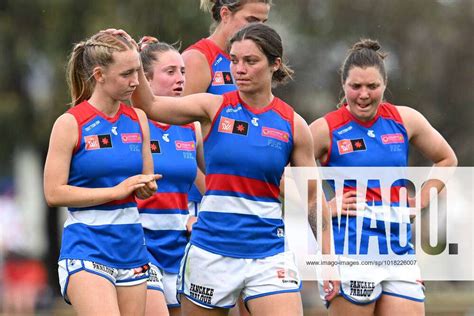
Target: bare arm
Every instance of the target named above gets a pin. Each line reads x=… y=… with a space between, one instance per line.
x=430 y=143
x=198 y=74
x=150 y=188
x=176 y=111
x=321 y=138
x=303 y=156
x=64 y=137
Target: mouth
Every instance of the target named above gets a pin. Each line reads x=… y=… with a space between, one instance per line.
x=242 y=81
x=178 y=91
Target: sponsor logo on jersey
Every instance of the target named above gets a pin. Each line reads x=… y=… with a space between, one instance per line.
x=222 y=78
x=371 y=133
x=166 y=137
x=254 y=121
x=185 y=146
x=345 y=130
x=114 y=130
x=94 y=142
x=129 y=138
x=237 y=109
x=392 y=138
x=276 y=134
x=155 y=147
x=231 y=126
x=88 y=128
x=346 y=146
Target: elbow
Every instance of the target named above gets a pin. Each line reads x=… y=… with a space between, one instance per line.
x=51 y=199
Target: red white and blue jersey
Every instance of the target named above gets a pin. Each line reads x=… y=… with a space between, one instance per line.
x=165 y=214
x=109 y=150
x=219 y=65
x=222 y=81
x=381 y=142
x=246 y=152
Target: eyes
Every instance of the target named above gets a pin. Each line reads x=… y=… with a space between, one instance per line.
x=247 y=60
x=129 y=72
x=370 y=86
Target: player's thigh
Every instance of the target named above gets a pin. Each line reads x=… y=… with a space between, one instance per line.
x=91 y=294
x=282 y=304
x=389 y=305
x=189 y=308
x=340 y=306
x=155 y=303
x=132 y=299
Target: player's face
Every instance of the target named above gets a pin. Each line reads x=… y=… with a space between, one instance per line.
x=120 y=78
x=364 y=89
x=250 y=12
x=249 y=67
x=168 y=75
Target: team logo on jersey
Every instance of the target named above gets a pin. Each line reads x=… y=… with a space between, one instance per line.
x=94 y=142
x=231 y=126
x=276 y=134
x=155 y=147
x=185 y=146
x=222 y=78
x=130 y=138
x=254 y=121
x=392 y=138
x=346 y=146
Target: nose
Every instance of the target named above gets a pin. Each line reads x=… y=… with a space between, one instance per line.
x=134 y=80
x=180 y=78
x=364 y=93
x=239 y=68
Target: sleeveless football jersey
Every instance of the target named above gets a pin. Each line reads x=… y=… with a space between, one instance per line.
x=222 y=81
x=219 y=65
x=165 y=214
x=381 y=142
x=246 y=152
x=108 y=151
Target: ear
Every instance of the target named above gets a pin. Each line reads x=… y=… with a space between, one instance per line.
x=277 y=64
x=98 y=74
x=225 y=14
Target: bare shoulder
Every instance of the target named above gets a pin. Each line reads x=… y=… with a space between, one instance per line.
x=140 y=113
x=65 y=130
x=194 y=57
x=319 y=127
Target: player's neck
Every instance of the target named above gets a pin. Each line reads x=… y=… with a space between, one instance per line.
x=219 y=38
x=104 y=104
x=257 y=100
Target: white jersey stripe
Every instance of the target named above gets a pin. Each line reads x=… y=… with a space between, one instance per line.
x=238 y=205
x=164 y=221
x=122 y=216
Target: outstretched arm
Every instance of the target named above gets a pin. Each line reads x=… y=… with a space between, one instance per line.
x=198 y=74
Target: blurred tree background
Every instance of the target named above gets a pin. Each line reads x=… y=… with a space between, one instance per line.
x=430 y=63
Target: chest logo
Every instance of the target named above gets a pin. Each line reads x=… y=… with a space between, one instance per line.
x=114 y=130
x=255 y=121
x=94 y=142
x=346 y=146
x=185 y=146
x=128 y=138
x=276 y=134
x=231 y=126
x=392 y=138
x=155 y=147
x=371 y=133
x=222 y=78
x=166 y=137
